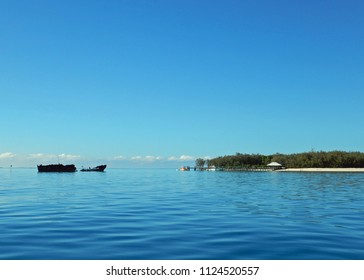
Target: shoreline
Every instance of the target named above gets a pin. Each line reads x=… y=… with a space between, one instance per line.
x=352 y=170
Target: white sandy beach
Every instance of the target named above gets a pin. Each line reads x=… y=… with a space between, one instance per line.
x=322 y=170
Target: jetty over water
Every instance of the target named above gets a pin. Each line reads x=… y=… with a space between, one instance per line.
x=248 y=169
x=263 y=169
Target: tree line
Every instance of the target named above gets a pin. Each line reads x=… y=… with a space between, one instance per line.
x=312 y=159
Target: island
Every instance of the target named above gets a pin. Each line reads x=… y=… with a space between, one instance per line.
x=320 y=161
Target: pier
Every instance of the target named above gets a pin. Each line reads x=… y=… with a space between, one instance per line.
x=234 y=169
x=248 y=169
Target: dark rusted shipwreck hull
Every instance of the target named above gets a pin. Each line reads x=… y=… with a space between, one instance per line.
x=57 y=168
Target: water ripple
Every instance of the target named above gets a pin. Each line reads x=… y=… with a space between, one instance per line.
x=163 y=214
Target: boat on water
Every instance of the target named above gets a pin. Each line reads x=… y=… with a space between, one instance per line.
x=211 y=168
x=185 y=168
x=99 y=168
x=57 y=168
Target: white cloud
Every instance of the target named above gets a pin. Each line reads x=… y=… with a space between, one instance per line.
x=40 y=155
x=159 y=159
x=136 y=158
x=153 y=158
x=181 y=158
x=185 y=157
x=146 y=158
x=65 y=156
x=120 y=158
x=53 y=157
x=7 y=155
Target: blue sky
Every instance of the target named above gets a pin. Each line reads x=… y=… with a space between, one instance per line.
x=159 y=83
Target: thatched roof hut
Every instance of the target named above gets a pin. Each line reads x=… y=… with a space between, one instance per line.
x=275 y=165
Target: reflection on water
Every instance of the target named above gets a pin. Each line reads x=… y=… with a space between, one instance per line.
x=164 y=214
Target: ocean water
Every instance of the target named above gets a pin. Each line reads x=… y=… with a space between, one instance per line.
x=166 y=214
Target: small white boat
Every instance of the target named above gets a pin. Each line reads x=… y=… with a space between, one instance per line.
x=185 y=168
x=211 y=168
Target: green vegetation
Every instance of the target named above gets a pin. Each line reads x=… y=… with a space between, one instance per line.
x=200 y=163
x=333 y=159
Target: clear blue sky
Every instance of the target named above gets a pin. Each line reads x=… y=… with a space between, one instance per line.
x=162 y=82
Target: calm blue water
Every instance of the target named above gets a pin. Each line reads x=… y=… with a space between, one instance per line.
x=165 y=214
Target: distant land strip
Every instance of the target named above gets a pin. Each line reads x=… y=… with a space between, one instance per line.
x=332 y=161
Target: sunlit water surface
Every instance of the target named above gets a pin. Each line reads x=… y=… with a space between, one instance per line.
x=165 y=214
